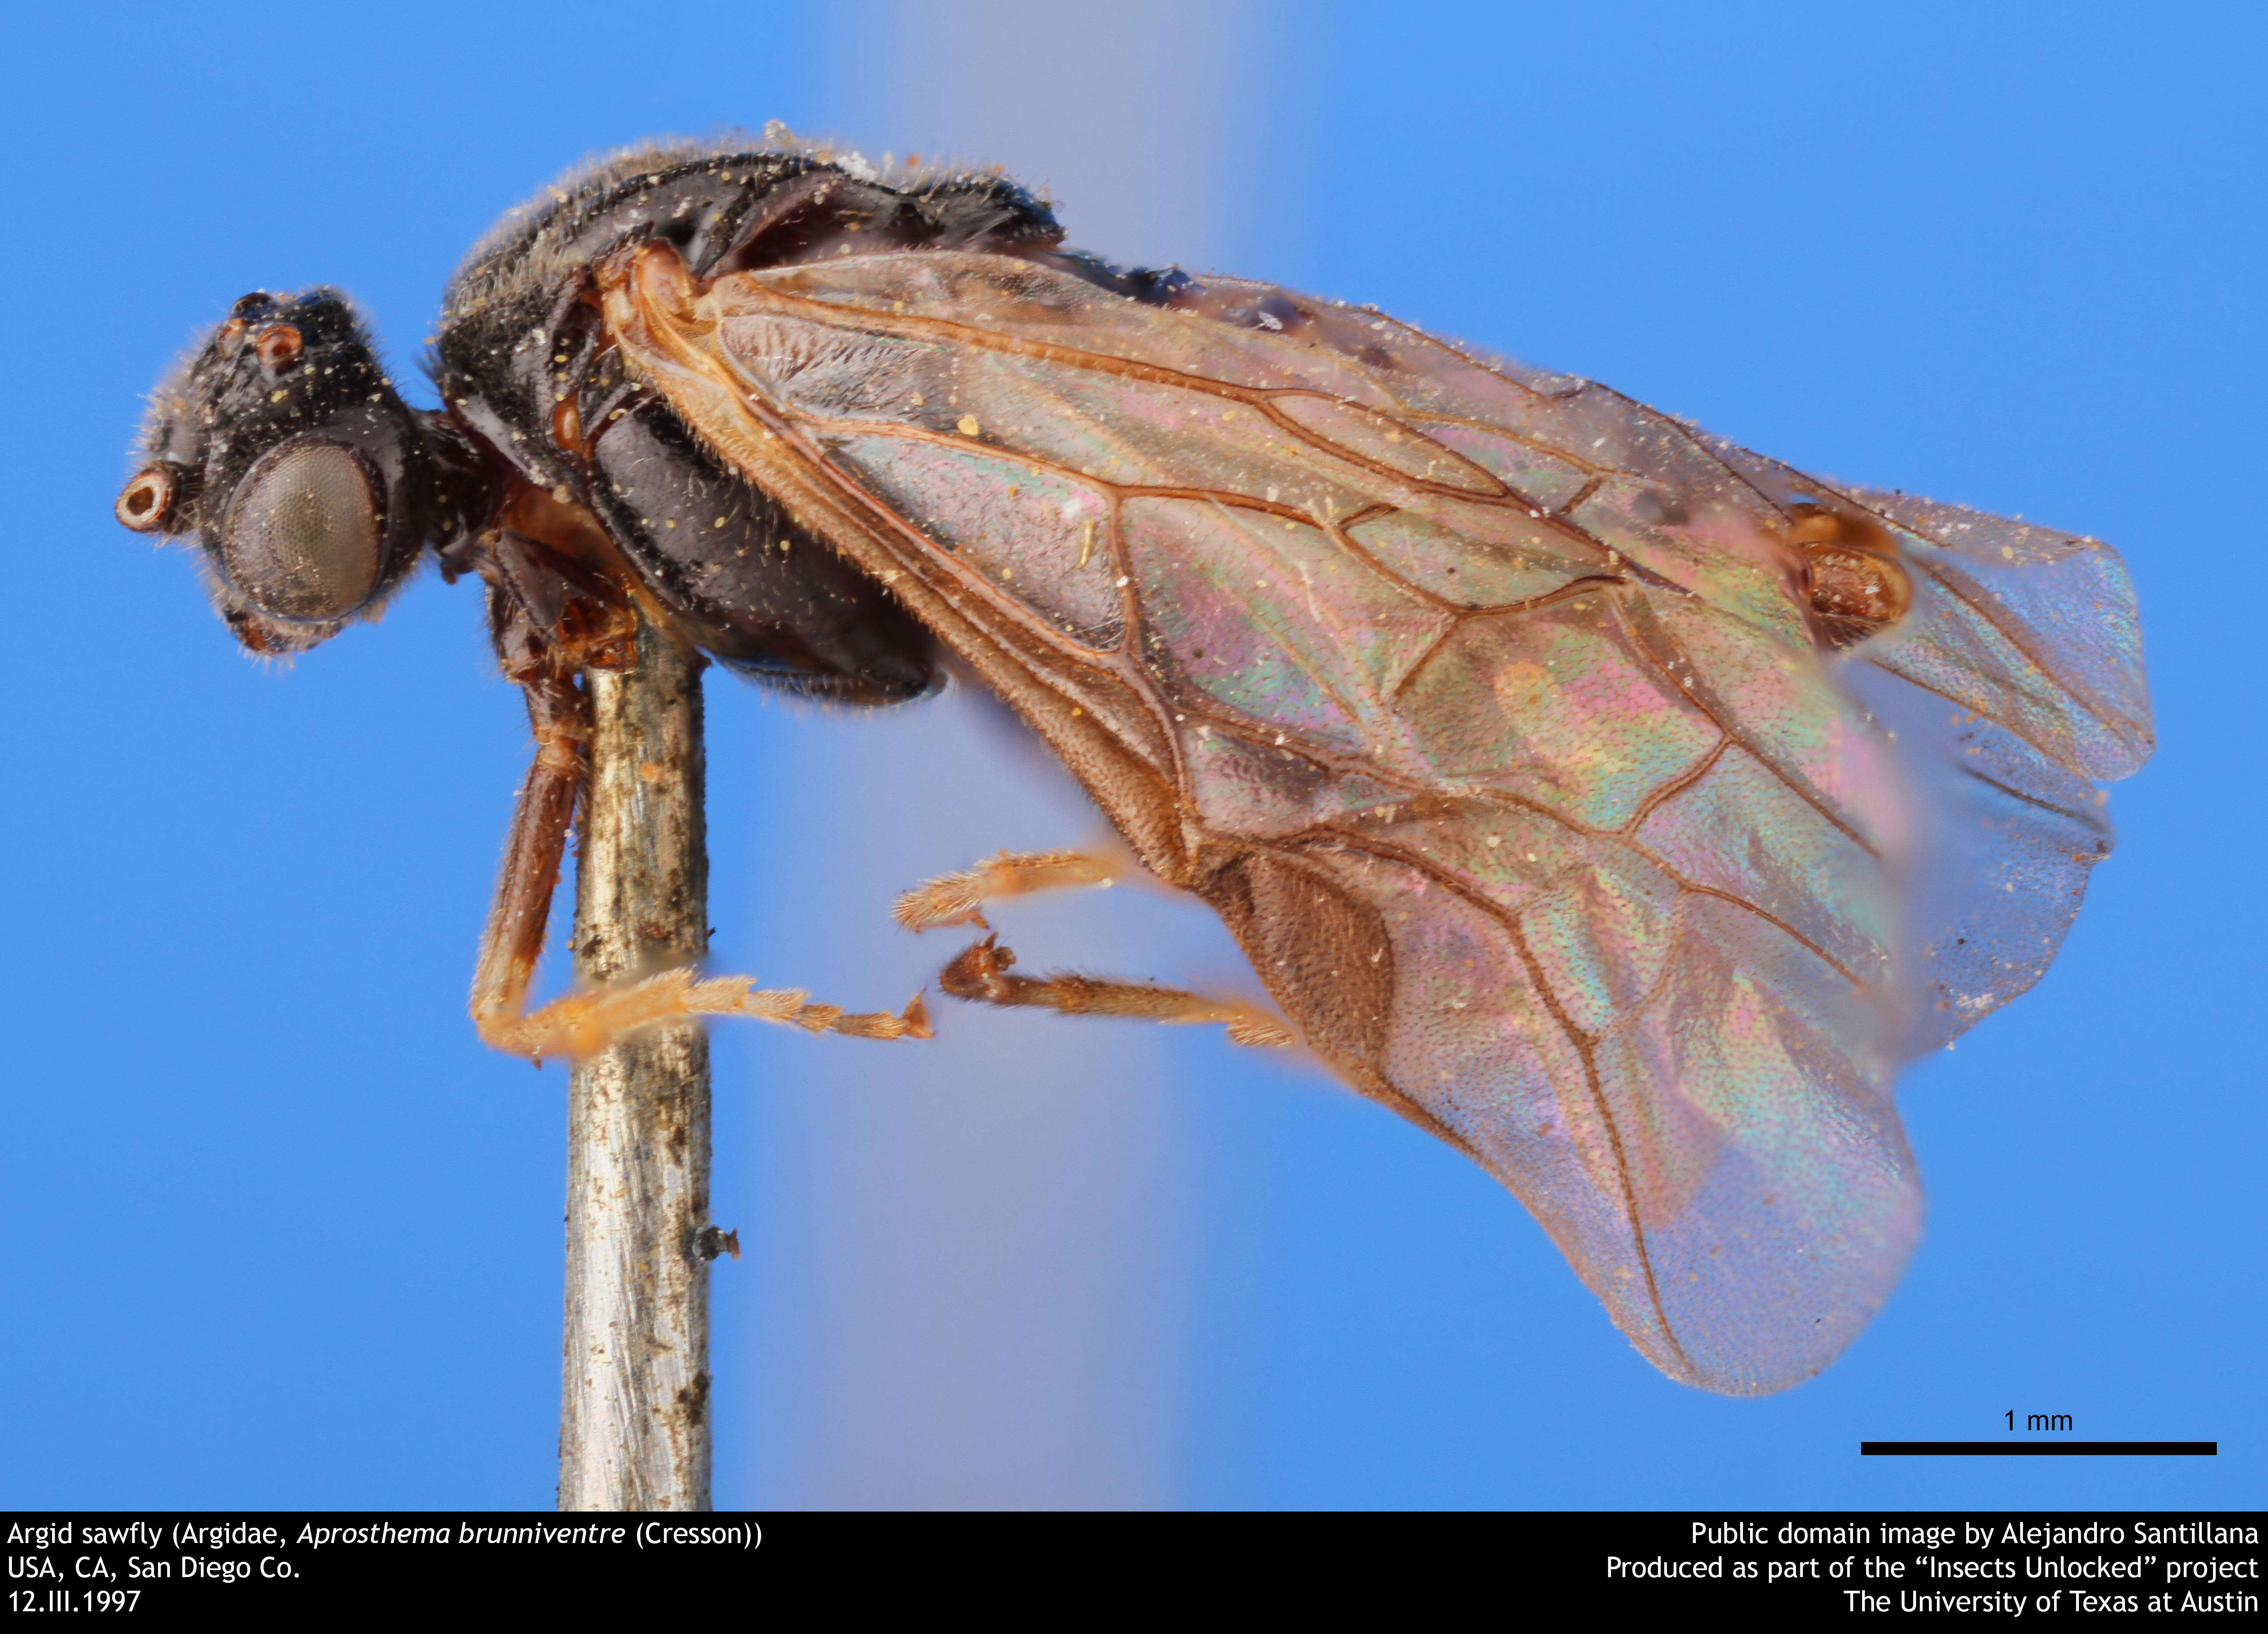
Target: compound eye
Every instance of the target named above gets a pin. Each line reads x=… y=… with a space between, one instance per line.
x=303 y=538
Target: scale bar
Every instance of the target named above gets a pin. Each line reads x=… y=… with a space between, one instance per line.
x=2039 y=1449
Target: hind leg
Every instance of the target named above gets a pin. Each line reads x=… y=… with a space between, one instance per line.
x=981 y=974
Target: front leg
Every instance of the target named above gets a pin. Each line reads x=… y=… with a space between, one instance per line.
x=513 y=944
x=511 y=947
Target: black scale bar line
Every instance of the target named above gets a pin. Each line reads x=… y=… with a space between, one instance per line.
x=2039 y=1449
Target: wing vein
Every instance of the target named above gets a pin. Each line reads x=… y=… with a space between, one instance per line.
x=1645 y=650
x=1584 y=1045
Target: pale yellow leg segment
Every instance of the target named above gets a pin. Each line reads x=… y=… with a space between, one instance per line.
x=981 y=974
x=586 y=1023
x=960 y=898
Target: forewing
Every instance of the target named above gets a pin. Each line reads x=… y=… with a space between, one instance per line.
x=2012 y=686
x=1483 y=708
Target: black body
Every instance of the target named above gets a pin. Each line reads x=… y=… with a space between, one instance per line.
x=536 y=409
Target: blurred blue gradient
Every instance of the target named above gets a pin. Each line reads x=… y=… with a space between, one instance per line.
x=978 y=1249
x=277 y=1233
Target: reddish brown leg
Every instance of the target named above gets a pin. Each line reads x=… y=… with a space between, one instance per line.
x=981 y=973
x=512 y=945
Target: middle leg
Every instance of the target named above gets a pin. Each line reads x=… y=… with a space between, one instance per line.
x=960 y=898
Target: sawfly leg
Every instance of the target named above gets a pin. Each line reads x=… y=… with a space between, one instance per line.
x=981 y=974
x=545 y=656
x=959 y=898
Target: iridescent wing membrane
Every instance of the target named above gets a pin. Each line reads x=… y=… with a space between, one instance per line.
x=1487 y=708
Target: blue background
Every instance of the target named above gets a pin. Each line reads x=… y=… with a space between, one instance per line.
x=272 y=1229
